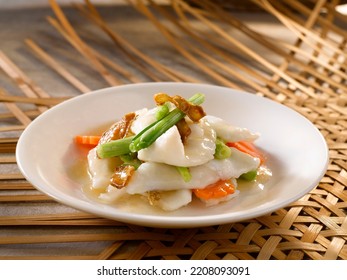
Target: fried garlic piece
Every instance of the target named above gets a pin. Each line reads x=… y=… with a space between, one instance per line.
x=194 y=112
x=121 y=176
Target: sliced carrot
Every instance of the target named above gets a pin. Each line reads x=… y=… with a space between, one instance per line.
x=248 y=148
x=216 y=190
x=91 y=140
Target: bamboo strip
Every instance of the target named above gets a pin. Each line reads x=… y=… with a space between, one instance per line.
x=166 y=71
x=314 y=16
x=126 y=48
x=270 y=246
x=101 y=57
x=140 y=252
x=81 y=46
x=51 y=101
x=240 y=66
x=31 y=89
x=108 y=251
x=310 y=235
x=173 y=251
x=63 y=223
x=49 y=257
x=8 y=140
x=328 y=27
x=316 y=85
x=50 y=61
x=308 y=24
x=237 y=249
x=325 y=34
x=29 y=113
x=225 y=58
x=260 y=241
x=333 y=233
x=302 y=9
x=143 y=9
x=274 y=47
x=16 y=186
x=204 y=250
x=117 y=68
x=28 y=87
x=9 y=148
x=7 y=159
x=273 y=68
x=16 y=111
x=151 y=243
x=104 y=59
x=14 y=176
x=72 y=219
x=211 y=49
x=53 y=217
x=24 y=198
x=215 y=235
x=323 y=23
x=133 y=53
x=246 y=50
x=62 y=238
x=301 y=246
x=301 y=32
x=333 y=208
x=196 y=245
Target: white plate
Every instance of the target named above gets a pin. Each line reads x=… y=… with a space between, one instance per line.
x=297 y=152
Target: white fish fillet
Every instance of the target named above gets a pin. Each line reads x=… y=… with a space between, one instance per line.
x=151 y=176
x=230 y=133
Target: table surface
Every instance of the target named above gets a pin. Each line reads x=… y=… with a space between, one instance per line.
x=33 y=226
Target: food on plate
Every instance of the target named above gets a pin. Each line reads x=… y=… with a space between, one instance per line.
x=170 y=154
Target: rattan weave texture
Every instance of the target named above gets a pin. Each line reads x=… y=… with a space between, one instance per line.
x=304 y=69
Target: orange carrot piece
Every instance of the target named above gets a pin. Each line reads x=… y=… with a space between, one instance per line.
x=216 y=190
x=248 y=148
x=91 y=140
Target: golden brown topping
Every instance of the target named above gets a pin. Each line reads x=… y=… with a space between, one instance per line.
x=183 y=129
x=119 y=129
x=194 y=112
x=181 y=103
x=153 y=197
x=161 y=98
x=121 y=176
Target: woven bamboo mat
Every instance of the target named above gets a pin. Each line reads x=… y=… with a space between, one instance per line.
x=200 y=41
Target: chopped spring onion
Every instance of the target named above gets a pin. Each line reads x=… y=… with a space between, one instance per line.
x=222 y=150
x=249 y=176
x=151 y=133
x=114 y=148
x=162 y=111
x=185 y=173
x=131 y=159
